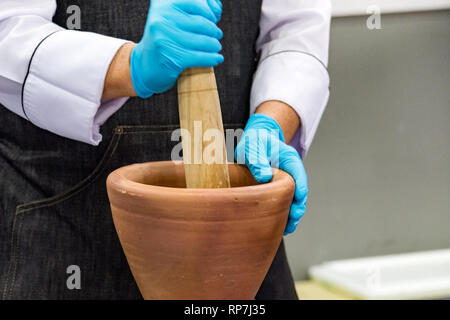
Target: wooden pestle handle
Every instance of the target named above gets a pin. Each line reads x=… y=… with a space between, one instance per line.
x=204 y=149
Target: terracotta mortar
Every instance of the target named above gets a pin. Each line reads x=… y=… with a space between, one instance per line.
x=198 y=243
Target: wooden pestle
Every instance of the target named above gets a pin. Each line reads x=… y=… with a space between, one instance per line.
x=203 y=141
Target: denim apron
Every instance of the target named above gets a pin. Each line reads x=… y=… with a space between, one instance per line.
x=55 y=220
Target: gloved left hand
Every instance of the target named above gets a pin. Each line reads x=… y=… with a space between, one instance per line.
x=262 y=147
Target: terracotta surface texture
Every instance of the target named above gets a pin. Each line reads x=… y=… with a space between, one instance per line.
x=198 y=243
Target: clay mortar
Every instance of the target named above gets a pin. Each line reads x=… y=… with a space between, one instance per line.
x=198 y=243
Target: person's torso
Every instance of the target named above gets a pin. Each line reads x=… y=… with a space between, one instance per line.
x=54 y=163
x=54 y=209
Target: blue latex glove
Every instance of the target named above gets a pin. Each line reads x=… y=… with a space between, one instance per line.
x=262 y=147
x=179 y=34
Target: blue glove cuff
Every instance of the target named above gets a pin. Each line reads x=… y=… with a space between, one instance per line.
x=138 y=84
x=262 y=121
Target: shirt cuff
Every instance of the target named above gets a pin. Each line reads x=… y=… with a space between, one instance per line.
x=299 y=80
x=64 y=85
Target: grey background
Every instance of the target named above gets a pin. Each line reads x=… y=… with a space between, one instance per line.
x=378 y=168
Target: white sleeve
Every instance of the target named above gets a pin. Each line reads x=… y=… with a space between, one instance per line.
x=52 y=76
x=293 y=47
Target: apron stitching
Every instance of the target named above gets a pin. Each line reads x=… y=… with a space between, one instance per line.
x=78 y=187
x=16 y=257
x=168 y=126
x=132 y=129
x=7 y=291
x=152 y=131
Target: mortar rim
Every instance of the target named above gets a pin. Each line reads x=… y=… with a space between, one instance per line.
x=118 y=180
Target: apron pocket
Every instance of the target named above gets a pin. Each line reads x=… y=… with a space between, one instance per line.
x=66 y=246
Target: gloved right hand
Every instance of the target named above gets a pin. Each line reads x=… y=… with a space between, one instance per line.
x=179 y=34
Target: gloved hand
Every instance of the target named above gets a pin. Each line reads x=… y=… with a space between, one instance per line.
x=179 y=34
x=262 y=147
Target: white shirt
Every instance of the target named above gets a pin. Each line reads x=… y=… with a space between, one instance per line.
x=62 y=91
